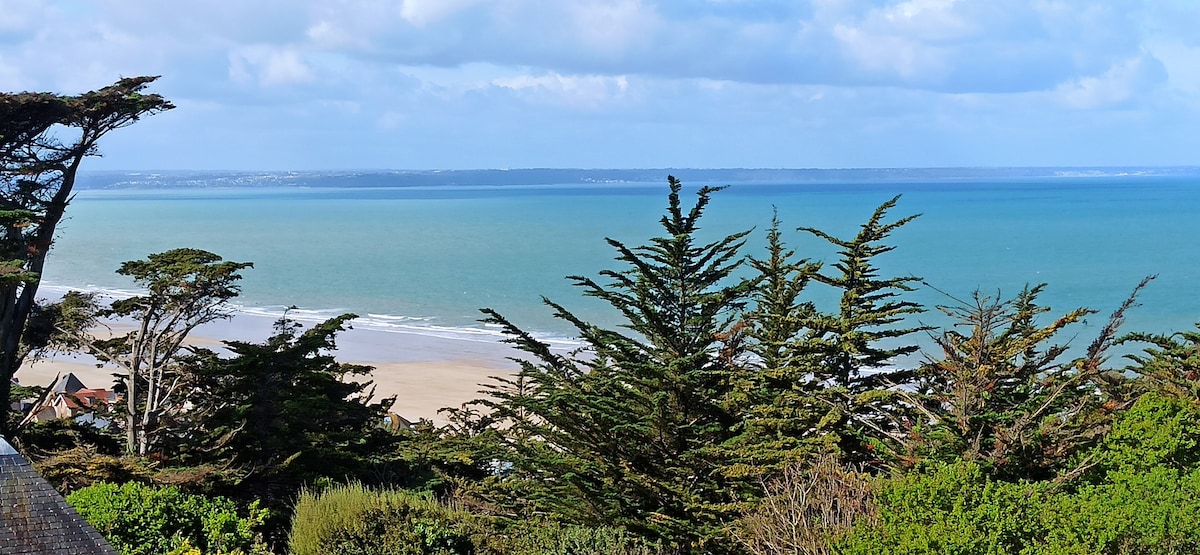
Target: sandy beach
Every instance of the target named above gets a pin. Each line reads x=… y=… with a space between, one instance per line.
x=424 y=371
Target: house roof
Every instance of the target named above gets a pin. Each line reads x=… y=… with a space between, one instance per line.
x=68 y=384
x=90 y=396
x=36 y=519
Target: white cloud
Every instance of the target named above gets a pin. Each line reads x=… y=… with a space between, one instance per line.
x=927 y=19
x=883 y=54
x=12 y=76
x=1181 y=63
x=1125 y=81
x=425 y=12
x=578 y=91
x=391 y=120
x=611 y=26
x=789 y=72
x=268 y=65
x=21 y=16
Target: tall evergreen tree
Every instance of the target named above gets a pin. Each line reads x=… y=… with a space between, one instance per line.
x=185 y=288
x=283 y=413
x=993 y=394
x=781 y=414
x=44 y=139
x=855 y=345
x=622 y=431
x=1000 y=393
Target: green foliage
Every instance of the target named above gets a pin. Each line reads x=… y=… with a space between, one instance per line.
x=64 y=433
x=1141 y=499
x=186 y=548
x=59 y=326
x=1159 y=430
x=623 y=433
x=998 y=394
x=777 y=396
x=1171 y=363
x=854 y=339
x=185 y=288
x=853 y=346
x=145 y=520
x=179 y=283
x=1147 y=512
x=552 y=538
x=355 y=520
x=1144 y=499
x=952 y=509
x=284 y=412
x=44 y=139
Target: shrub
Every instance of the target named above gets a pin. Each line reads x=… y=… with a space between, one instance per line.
x=145 y=520
x=552 y=538
x=1143 y=512
x=1158 y=430
x=80 y=467
x=806 y=508
x=356 y=520
x=953 y=509
x=1144 y=497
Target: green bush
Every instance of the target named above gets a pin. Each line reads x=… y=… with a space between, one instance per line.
x=551 y=538
x=1144 y=499
x=950 y=509
x=145 y=520
x=1158 y=430
x=1135 y=513
x=356 y=520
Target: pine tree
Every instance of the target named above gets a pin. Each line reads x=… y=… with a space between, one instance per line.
x=621 y=432
x=855 y=345
x=1000 y=393
x=777 y=398
x=283 y=411
x=44 y=139
x=984 y=399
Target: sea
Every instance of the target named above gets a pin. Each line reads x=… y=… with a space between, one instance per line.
x=424 y=251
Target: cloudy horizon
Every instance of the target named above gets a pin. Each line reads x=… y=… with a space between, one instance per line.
x=463 y=84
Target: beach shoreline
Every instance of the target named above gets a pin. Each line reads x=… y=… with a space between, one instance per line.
x=424 y=372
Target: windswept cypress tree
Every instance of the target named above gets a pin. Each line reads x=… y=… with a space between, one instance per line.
x=854 y=345
x=778 y=396
x=817 y=380
x=999 y=393
x=620 y=433
x=44 y=139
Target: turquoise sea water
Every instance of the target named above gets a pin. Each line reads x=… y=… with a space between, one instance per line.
x=428 y=257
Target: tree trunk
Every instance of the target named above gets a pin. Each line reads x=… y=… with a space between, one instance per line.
x=18 y=306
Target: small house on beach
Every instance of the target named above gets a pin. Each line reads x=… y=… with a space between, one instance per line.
x=69 y=398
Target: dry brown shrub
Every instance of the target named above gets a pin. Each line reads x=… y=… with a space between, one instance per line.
x=806 y=508
x=72 y=469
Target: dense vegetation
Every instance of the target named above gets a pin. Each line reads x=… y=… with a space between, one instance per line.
x=731 y=413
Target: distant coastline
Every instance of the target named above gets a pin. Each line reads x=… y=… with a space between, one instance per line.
x=179 y=179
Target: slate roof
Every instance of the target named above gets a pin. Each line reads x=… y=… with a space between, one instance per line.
x=36 y=519
x=68 y=384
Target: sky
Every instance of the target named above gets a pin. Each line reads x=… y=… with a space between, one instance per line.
x=466 y=84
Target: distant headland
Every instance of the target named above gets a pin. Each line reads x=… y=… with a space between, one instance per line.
x=135 y=179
